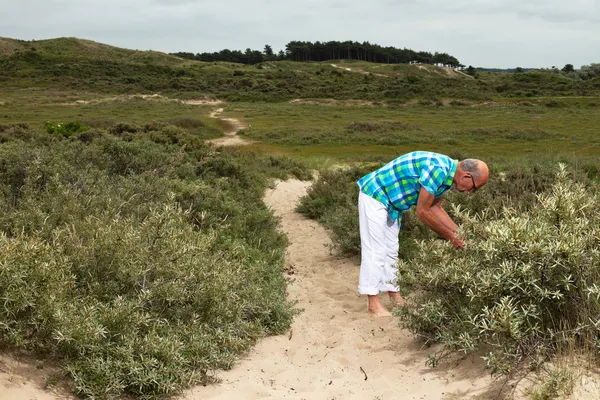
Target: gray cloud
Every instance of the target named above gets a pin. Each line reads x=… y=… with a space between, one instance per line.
x=528 y=33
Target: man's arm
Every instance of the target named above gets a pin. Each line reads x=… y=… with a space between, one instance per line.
x=435 y=217
x=443 y=215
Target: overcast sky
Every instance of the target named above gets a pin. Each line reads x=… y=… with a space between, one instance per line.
x=482 y=33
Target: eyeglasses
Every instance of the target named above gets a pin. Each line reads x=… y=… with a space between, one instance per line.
x=474 y=188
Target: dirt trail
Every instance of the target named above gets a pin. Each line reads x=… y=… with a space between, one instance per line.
x=22 y=378
x=232 y=126
x=203 y=101
x=334 y=349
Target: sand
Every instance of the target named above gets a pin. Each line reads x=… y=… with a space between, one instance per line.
x=232 y=126
x=24 y=378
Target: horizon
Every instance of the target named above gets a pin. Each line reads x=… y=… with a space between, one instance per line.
x=242 y=49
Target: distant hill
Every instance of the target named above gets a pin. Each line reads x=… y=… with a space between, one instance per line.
x=71 y=47
x=79 y=64
x=504 y=70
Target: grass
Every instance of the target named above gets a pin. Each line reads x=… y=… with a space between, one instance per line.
x=334 y=133
x=556 y=382
x=102 y=111
x=88 y=49
x=483 y=130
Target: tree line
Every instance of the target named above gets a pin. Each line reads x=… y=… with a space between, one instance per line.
x=324 y=51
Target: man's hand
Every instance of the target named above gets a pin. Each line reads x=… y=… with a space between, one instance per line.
x=457 y=241
x=430 y=211
x=458 y=244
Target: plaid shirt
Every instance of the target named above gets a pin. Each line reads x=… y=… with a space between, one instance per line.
x=398 y=183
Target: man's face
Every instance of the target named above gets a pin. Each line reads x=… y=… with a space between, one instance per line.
x=466 y=183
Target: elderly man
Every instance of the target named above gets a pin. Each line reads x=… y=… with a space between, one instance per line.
x=419 y=178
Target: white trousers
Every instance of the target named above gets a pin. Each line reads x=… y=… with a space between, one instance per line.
x=379 y=247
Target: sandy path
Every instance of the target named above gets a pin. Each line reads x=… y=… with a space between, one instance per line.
x=232 y=126
x=24 y=379
x=358 y=71
x=334 y=349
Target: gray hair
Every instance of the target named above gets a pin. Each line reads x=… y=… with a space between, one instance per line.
x=471 y=166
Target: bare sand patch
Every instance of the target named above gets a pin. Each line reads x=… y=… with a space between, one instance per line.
x=462 y=73
x=216 y=113
x=24 y=378
x=147 y=96
x=358 y=71
x=202 y=102
x=334 y=102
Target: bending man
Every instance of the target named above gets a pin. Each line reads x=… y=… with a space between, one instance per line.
x=419 y=178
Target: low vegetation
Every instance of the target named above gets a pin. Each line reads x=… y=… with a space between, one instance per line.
x=87 y=66
x=362 y=132
x=138 y=257
x=525 y=287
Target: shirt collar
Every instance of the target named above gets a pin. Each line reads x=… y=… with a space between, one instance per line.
x=450 y=176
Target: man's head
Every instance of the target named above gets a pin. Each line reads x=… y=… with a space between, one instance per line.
x=471 y=174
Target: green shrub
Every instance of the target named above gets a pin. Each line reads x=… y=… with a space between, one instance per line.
x=332 y=200
x=525 y=285
x=188 y=123
x=65 y=129
x=141 y=261
x=15 y=132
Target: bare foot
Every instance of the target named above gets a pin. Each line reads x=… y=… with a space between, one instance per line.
x=380 y=313
x=376 y=309
x=397 y=300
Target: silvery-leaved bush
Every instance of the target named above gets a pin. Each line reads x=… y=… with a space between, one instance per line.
x=526 y=284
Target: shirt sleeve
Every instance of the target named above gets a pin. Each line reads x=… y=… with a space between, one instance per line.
x=432 y=177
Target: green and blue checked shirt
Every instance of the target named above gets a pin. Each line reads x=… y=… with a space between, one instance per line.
x=398 y=183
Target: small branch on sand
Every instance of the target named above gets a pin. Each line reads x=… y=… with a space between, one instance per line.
x=323 y=357
x=363 y=371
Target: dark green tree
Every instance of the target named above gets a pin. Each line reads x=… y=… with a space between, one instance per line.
x=334 y=50
x=268 y=51
x=568 y=68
